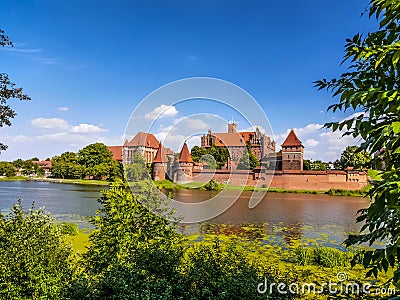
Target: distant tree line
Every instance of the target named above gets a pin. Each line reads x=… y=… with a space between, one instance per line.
x=26 y=167
x=94 y=161
x=352 y=156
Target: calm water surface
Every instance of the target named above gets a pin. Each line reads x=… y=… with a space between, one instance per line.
x=66 y=202
x=288 y=215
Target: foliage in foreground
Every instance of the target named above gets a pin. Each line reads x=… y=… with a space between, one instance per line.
x=371 y=88
x=135 y=254
x=35 y=259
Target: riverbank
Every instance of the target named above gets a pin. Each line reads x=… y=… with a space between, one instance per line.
x=169 y=185
x=70 y=181
x=13 y=178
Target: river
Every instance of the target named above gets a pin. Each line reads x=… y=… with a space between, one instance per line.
x=307 y=216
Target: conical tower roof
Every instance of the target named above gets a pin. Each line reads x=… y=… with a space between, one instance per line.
x=160 y=155
x=185 y=156
x=292 y=140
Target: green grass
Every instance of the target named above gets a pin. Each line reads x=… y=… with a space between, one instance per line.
x=78 y=181
x=80 y=241
x=166 y=184
x=13 y=178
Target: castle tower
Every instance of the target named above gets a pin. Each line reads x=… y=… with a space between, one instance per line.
x=292 y=153
x=232 y=127
x=185 y=164
x=160 y=164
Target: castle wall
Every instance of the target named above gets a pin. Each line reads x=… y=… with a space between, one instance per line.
x=291 y=180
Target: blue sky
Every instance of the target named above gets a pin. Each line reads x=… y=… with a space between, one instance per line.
x=88 y=64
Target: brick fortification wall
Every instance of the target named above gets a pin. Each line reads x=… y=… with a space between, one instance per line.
x=291 y=180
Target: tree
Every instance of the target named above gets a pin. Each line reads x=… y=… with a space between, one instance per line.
x=6 y=169
x=318 y=165
x=35 y=257
x=98 y=161
x=134 y=253
x=306 y=164
x=371 y=87
x=94 y=154
x=248 y=161
x=220 y=155
x=8 y=91
x=136 y=169
x=355 y=157
x=197 y=152
x=66 y=166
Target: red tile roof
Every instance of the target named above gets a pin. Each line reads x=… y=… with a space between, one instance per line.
x=143 y=139
x=292 y=140
x=45 y=164
x=161 y=155
x=233 y=139
x=185 y=156
x=116 y=152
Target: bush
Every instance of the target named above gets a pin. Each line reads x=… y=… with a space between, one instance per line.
x=35 y=259
x=133 y=253
x=212 y=185
x=330 y=257
x=69 y=228
x=322 y=256
x=217 y=271
x=304 y=255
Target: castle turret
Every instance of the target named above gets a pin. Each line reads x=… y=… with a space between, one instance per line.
x=160 y=164
x=292 y=153
x=185 y=164
x=232 y=127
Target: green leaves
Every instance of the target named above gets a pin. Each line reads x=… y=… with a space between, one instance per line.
x=35 y=258
x=396 y=127
x=372 y=85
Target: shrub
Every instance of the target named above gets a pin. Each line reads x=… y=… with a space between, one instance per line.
x=330 y=257
x=304 y=255
x=69 y=228
x=133 y=253
x=212 y=185
x=35 y=259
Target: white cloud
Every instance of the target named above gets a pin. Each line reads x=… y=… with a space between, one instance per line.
x=47 y=61
x=63 y=108
x=253 y=128
x=50 y=123
x=22 y=139
x=23 y=50
x=161 y=112
x=87 y=128
x=322 y=143
x=311 y=143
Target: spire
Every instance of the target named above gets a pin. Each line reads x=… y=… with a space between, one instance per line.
x=292 y=140
x=185 y=156
x=160 y=156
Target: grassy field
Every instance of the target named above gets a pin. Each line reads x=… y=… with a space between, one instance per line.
x=13 y=178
